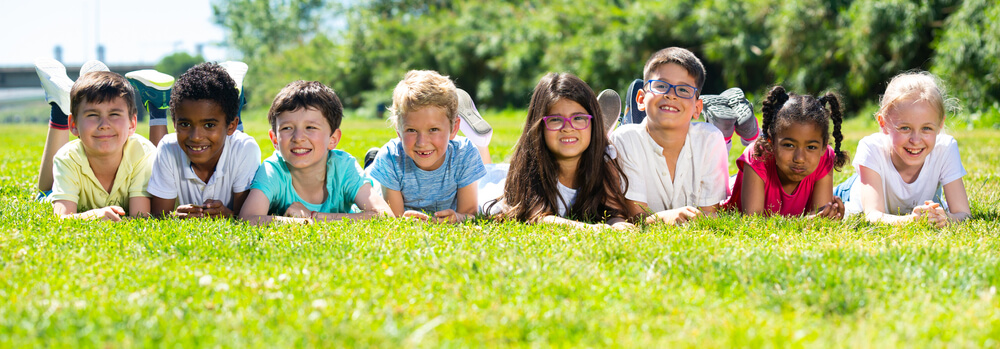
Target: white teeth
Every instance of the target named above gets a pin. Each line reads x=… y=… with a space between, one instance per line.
x=569 y=140
x=198 y=148
x=300 y=151
x=669 y=108
x=913 y=151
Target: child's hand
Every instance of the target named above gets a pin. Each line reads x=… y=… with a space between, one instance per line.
x=215 y=208
x=933 y=212
x=832 y=210
x=298 y=210
x=623 y=226
x=675 y=216
x=416 y=214
x=449 y=216
x=189 y=211
x=110 y=213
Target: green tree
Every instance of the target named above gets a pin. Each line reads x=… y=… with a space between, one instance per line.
x=177 y=63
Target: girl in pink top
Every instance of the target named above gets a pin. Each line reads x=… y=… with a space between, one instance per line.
x=788 y=170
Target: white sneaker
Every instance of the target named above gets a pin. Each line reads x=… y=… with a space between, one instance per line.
x=92 y=66
x=237 y=70
x=473 y=126
x=55 y=82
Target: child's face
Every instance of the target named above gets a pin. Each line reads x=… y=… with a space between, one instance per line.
x=667 y=110
x=425 y=133
x=797 y=150
x=912 y=129
x=103 y=127
x=303 y=137
x=201 y=130
x=567 y=143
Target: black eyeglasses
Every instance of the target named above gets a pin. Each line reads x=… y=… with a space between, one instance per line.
x=558 y=122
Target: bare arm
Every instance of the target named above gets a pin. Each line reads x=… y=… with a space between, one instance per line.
x=255 y=208
x=752 y=195
x=138 y=207
x=958 y=200
x=467 y=206
x=161 y=207
x=370 y=202
x=238 y=200
x=67 y=210
x=395 y=200
x=54 y=140
x=873 y=199
x=823 y=202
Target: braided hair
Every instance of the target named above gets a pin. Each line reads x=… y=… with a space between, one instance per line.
x=781 y=109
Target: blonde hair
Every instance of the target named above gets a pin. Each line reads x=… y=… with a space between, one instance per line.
x=913 y=87
x=422 y=88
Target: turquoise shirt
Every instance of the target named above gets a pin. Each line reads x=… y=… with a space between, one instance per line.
x=343 y=179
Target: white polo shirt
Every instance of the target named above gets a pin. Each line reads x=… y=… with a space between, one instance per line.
x=173 y=177
x=702 y=177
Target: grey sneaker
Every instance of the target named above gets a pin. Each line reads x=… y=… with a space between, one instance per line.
x=470 y=115
x=611 y=107
x=237 y=70
x=55 y=82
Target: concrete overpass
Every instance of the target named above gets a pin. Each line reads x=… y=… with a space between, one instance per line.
x=20 y=77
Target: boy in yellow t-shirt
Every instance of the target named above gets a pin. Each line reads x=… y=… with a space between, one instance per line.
x=103 y=174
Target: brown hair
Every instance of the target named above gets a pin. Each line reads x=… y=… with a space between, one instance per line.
x=421 y=88
x=678 y=56
x=531 y=192
x=101 y=87
x=307 y=94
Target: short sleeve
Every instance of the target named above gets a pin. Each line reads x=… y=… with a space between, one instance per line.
x=66 y=182
x=952 y=168
x=472 y=168
x=165 y=172
x=268 y=181
x=825 y=164
x=352 y=177
x=714 y=182
x=870 y=154
x=141 y=172
x=249 y=163
x=385 y=168
x=630 y=169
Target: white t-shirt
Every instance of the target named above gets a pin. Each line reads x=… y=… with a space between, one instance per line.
x=702 y=171
x=942 y=166
x=173 y=177
x=567 y=197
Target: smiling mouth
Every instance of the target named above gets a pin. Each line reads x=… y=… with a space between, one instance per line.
x=198 y=148
x=668 y=108
x=423 y=154
x=300 y=151
x=569 y=140
x=913 y=151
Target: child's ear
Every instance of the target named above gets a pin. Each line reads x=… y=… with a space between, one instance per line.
x=454 y=128
x=72 y=126
x=698 y=105
x=274 y=138
x=880 y=118
x=229 y=128
x=133 y=123
x=640 y=99
x=334 y=139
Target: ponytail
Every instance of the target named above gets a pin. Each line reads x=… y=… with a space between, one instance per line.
x=776 y=98
x=832 y=103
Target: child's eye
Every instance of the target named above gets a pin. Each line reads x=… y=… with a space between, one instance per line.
x=904 y=128
x=435 y=129
x=210 y=125
x=812 y=147
x=183 y=124
x=410 y=130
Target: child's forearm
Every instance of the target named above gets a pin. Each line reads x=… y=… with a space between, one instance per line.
x=882 y=217
x=365 y=215
x=958 y=216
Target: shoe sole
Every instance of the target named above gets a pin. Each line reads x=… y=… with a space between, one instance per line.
x=467 y=111
x=611 y=106
x=633 y=115
x=237 y=70
x=151 y=78
x=92 y=66
x=55 y=82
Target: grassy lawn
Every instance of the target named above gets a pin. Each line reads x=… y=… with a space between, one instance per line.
x=722 y=282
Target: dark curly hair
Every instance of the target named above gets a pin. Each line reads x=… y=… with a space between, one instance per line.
x=207 y=81
x=781 y=109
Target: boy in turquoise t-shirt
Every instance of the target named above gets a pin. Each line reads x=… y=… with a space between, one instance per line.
x=306 y=179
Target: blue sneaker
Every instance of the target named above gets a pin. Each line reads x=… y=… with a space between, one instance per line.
x=632 y=113
x=154 y=88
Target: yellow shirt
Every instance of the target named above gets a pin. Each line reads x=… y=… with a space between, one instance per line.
x=75 y=181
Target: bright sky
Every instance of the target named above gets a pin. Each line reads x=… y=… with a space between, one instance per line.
x=132 y=31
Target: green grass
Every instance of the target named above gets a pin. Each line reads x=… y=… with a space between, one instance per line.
x=722 y=282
